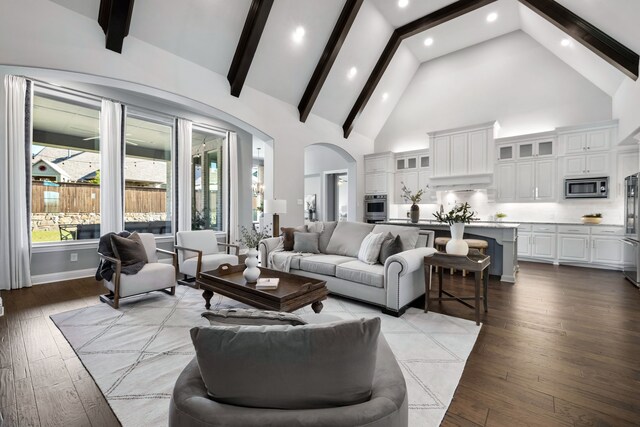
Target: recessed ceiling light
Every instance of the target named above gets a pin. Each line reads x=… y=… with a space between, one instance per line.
x=492 y=17
x=403 y=3
x=385 y=96
x=428 y=41
x=566 y=42
x=352 y=72
x=298 y=35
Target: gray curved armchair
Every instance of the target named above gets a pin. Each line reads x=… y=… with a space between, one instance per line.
x=191 y=407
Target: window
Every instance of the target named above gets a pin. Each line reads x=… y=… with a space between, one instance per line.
x=207 y=166
x=148 y=174
x=65 y=169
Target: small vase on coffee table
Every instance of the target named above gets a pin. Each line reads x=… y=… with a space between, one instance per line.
x=252 y=272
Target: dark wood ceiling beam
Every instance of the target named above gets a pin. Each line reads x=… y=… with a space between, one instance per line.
x=248 y=44
x=331 y=50
x=115 y=19
x=609 y=49
x=431 y=20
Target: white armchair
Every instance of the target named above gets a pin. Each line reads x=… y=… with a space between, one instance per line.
x=154 y=276
x=199 y=251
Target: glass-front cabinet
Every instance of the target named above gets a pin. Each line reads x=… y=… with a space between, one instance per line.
x=506 y=152
x=542 y=148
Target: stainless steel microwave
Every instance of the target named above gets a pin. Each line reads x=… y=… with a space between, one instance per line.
x=586 y=188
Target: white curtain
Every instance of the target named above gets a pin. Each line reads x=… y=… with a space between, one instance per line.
x=183 y=133
x=15 y=188
x=232 y=156
x=111 y=172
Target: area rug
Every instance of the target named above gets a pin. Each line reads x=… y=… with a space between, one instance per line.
x=136 y=353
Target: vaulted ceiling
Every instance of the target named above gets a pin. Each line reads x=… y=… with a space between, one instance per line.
x=207 y=33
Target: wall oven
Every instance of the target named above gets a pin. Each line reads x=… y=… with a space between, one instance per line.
x=375 y=208
x=586 y=188
x=631 y=241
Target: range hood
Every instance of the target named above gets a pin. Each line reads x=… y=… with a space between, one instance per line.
x=462 y=182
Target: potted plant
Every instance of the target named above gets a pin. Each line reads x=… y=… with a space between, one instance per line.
x=414 y=199
x=251 y=239
x=456 y=218
x=500 y=216
x=594 y=218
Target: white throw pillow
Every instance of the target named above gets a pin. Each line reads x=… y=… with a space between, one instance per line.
x=370 y=248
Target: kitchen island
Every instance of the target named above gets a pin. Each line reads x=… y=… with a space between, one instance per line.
x=502 y=239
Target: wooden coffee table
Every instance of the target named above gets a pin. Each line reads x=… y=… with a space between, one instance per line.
x=293 y=291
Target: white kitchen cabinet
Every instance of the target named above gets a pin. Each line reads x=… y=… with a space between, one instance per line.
x=573 y=247
x=535 y=149
x=505 y=176
x=478 y=153
x=460 y=155
x=506 y=152
x=376 y=164
x=606 y=250
x=405 y=163
x=410 y=180
x=587 y=140
x=524 y=244
x=543 y=245
x=424 y=161
x=545 y=180
x=525 y=181
x=376 y=183
x=593 y=164
x=441 y=156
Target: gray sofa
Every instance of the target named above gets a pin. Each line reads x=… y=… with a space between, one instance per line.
x=391 y=286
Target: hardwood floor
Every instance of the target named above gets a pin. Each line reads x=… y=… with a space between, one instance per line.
x=560 y=348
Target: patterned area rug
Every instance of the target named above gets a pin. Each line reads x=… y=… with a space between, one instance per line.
x=136 y=353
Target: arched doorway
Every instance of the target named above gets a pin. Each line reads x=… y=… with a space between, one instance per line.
x=329 y=183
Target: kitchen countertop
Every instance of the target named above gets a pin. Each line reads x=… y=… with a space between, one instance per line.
x=500 y=223
x=433 y=223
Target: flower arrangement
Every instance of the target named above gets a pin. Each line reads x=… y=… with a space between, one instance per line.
x=500 y=215
x=408 y=196
x=461 y=213
x=251 y=237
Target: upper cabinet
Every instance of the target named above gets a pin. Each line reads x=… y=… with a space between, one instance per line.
x=378 y=170
x=464 y=151
x=375 y=163
x=586 y=139
x=413 y=170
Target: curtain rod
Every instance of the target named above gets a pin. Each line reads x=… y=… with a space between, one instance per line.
x=78 y=92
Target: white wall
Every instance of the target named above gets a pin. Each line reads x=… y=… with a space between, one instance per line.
x=512 y=79
x=626 y=108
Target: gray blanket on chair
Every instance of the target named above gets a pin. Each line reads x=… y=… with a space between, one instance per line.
x=107 y=268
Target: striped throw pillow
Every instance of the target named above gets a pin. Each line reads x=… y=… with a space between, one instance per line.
x=370 y=248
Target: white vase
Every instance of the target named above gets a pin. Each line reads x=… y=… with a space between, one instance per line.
x=252 y=272
x=457 y=246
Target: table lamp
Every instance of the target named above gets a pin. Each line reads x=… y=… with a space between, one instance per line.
x=275 y=207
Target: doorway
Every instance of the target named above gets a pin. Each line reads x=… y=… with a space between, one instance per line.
x=337 y=185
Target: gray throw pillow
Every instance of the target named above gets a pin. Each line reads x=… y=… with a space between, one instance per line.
x=129 y=250
x=289 y=367
x=348 y=237
x=325 y=236
x=251 y=316
x=390 y=247
x=306 y=242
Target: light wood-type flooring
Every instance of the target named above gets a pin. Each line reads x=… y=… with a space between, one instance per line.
x=560 y=348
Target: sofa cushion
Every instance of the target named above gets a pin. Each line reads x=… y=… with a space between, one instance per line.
x=288 y=237
x=202 y=240
x=323 y=264
x=370 y=248
x=209 y=262
x=360 y=272
x=325 y=235
x=279 y=259
x=347 y=237
x=305 y=242
x=408 y=235
x=251 y=316
x=289 y=367
x=390 y=247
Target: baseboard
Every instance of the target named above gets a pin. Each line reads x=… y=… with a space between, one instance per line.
x=62 y=275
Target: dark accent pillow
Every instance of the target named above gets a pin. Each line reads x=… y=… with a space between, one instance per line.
x=129 y=250
x=390 y=247
x=251 y=316
x=289 y=367
x=288 y=238
x=306 y=242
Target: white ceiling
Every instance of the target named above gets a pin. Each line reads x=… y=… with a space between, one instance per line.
x=207 y=33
